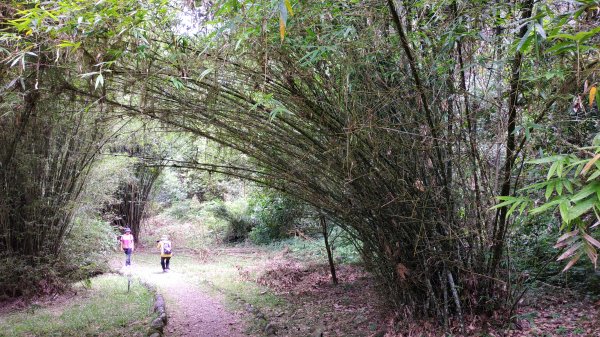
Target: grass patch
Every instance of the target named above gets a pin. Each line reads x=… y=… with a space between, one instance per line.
x=313 y=250
x=222 y=273
x=106 y=309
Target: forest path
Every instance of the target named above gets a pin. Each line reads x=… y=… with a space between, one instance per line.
x=191 y=310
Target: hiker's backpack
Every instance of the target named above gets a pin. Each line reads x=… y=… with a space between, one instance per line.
x=166 y=247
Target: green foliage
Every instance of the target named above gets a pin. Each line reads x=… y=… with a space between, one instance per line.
x=168 y=189
x=261 y=234
x=44 y=170
x=91 y=238
x=105 y=177
x=195 y=223
x=87 y=247
x=533 y=254
x=571 y=187
x=230 y=219
x=105 y=309
x=56 y=28
x=274 y=216
x=28 y=276
x=185 y=210
x=313 y=250
x=381 y=129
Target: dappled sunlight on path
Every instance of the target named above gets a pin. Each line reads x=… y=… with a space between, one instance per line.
x=191 y=311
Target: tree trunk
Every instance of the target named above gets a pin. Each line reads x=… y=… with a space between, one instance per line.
x=329 y=255
x=515 y=82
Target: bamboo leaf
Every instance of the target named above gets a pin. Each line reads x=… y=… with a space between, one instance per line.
x=572 y=262
x=568 y=186
x=581 y=208
x=549 y=190
x=593 y=176
x=546 y=160
x=506 y=197
x=559 y=187
x=591 y=162
x=564 y=211
x=552 y=170
x=569 y=251
x=508 y=201
x=567 y=235
x=66 y=44
x=592 y=254
x=540 y=30
x=560 y=245
x=586 y=191
x=577 y=161
x=562 y=47
x=536 y=186
x=512 y=209
x=545 y=207
x=562 y=36
x=591 y=240
x=177 y=84
x=526 y=39
x=582 y=36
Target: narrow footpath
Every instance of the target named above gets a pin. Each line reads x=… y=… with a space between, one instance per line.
x=191 y=311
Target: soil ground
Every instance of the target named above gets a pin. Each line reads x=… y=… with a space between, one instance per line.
x=354 y=307
x=308 y=304
x=191 y=311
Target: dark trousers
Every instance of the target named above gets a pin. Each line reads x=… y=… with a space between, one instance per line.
x=164 y=262
x=127 y=256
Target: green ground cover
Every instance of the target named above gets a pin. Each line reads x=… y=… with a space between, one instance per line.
x=102 y=308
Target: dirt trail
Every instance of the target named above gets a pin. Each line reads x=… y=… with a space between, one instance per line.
x=191 y=311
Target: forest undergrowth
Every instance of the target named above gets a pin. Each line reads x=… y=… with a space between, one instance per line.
x=290 y=283
x=101 y=306
x=349 y=308
x=451 y=149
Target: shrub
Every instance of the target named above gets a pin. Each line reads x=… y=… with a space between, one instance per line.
x=274 y=215
x=229 y=219
x=261 y=234
x=185 y=210
x=168 y=190
x=29 y=275
x=87 y=246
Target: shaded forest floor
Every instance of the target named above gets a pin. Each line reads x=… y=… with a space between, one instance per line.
x=258 y=291
x=313 y=305
x=286 y=294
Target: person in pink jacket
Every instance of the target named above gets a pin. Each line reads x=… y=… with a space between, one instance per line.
x=127 y=245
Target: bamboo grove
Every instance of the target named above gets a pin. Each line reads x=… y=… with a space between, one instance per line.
x=403 y=120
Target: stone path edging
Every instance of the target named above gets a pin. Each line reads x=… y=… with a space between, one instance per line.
x=158 y=324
